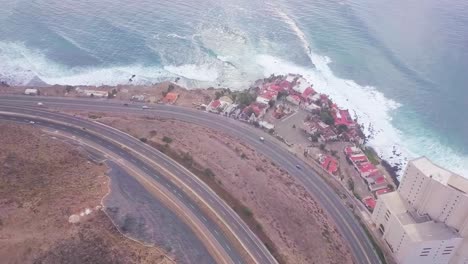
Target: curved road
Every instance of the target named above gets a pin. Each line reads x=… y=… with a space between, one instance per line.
x=346 y=222
x=140 y=155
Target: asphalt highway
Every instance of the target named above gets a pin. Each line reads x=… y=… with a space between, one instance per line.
x=346 y=222
x=238 y=227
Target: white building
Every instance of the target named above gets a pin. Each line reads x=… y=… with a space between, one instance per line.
x=31 y=91
x=426 y=219
x=95 y=93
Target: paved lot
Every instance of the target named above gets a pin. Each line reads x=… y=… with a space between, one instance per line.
x=285 y=128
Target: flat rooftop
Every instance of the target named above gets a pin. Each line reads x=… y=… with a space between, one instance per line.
x=430 y=231
x=394 y=202
x=440 y=174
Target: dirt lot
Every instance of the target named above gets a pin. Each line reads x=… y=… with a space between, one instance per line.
x=43 y=182
x=287 y=214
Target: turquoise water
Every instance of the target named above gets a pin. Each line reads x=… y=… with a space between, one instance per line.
x=399 y=65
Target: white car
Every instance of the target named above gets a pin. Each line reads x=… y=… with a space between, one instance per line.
x=40 y=104
x=262 y=139
x=32 y=122
x=144 y=107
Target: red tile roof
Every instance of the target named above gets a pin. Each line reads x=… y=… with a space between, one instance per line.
x=382 y=191
x=269 y=94
x=171 y=97
x=366 y=167
x=215 y=104
x=342 y=117
x=330 y=164
x=308 y=91
x=369 y=202
x=275 y=87
x=285 y=85
x=380 y=180
x=359 y=158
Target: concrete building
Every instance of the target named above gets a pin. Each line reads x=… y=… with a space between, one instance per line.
x=426 y=219
x=95 y=93
x=31 y=91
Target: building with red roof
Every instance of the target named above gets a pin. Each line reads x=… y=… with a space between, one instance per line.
x=170 y=98
x=266 y=96
x=213 y=106
x=342 y=117
x=330 y=164
x=294 y=99
x=255 y=108
x=358 y=158
x=350 y=150
x=365 y=168
x=285 y=85
x=383 y=191
x=369 y=202
x=276 y=88
x=307 y=93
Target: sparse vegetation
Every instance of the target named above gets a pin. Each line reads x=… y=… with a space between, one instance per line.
x=144 y=140
x=167 y=139
x=93 y=116
x=351 y=185
x=112 y=93
x=247 y=212
x=209 y=173
x=371 y=155
x=326 y=117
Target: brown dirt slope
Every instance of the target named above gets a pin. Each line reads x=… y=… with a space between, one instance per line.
x=290 y=217
x=42 y=182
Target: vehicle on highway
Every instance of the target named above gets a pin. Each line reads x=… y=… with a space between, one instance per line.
x=125 y=104
x=144 y=107
x=40 y=104
x=262 y=139
x=32 y=122
x=299 y=167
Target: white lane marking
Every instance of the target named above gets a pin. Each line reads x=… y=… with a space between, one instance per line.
x=146 y=169
x=121 y=153
x=223 y=213
x=216 y=232
x=180 y=195
x=206 y=220
x=157 y=176
x=168 y=185
x=191 y=205
x=134 y=161
x=228 y=247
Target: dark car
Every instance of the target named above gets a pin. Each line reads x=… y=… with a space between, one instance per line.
x=299 y=167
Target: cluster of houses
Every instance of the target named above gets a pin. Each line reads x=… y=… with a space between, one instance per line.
x=374 y=178
x=327 y=122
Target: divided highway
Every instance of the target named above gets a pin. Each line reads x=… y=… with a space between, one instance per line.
x=141 y=155
x=346 y=222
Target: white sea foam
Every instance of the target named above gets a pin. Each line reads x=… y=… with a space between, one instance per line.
x=370 y=106
x=206 y=73
x=20 y=65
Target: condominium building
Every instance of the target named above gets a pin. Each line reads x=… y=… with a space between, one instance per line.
x=426 y=219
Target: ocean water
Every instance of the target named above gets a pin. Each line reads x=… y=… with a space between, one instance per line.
x=401 y=66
